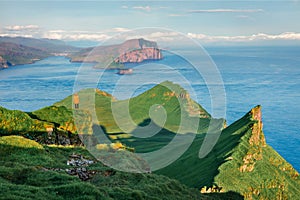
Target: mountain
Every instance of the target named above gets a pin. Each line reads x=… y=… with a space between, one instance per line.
x=15 y=54
x=175 y=100
x=134 y=50
x=240 y=165
x=20 y=50
x=47 y=45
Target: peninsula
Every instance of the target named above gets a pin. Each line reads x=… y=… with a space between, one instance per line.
x=20 y=50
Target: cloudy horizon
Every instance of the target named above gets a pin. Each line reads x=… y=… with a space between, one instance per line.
x=208 y=22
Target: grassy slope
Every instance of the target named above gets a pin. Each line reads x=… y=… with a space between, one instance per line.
x=240 y=161
x=18 y=122
x=139 y=106
x=24 y=175
x=271 y=177
x=217 y=167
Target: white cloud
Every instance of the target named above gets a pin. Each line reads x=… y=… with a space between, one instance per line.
x=144 y=8
x=176 y=15
x=125 y=7
x=226 y=11
x=156 y=36
x=21 y=28
x=15 y=35
x=120 y=29
x=159 y=36
x=240 y=38
x=75 y=36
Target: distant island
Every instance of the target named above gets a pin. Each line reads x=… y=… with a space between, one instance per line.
x=113 y=56
x=19 y=50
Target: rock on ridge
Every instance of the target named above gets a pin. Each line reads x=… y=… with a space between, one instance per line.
x=256 y=141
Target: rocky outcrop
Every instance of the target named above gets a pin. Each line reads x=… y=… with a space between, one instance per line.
x=140 y=55
x=80 y=164
x=256 y=142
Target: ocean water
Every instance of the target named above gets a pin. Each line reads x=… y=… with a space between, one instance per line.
x=268 y=76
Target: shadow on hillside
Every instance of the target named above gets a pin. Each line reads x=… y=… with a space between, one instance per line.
x=148 y=137
x=225 y=195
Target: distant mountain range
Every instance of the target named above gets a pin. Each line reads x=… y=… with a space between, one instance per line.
x=20 y=50
x=240 y=166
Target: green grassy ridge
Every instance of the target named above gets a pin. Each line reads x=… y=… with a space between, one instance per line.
x=272 y=177
x=18 y=122
x=23 y=176
x=176 y=107
x=62 y=118
x=195 y=172
x=50 y=125
x=221 y=167
x=174 y=99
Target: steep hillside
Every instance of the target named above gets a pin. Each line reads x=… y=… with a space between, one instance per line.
x=240 y=161
x=171 y=97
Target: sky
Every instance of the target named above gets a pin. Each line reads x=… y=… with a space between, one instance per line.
x=212 y=22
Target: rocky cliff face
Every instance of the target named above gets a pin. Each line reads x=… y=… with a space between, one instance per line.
x=140 y=55
x=134 y=50
x=256 y=142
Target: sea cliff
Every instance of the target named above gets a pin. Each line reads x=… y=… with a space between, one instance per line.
x=140 y=55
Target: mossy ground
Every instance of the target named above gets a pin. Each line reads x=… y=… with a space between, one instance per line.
x=25 y=173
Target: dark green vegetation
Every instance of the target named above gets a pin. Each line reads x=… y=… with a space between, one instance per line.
x=29 y=170
x=241 y=163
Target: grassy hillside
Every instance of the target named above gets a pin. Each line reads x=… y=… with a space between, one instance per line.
x=241 y=163
x=29 y=170
x=182 y=112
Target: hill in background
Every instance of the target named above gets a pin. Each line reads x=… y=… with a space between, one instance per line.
x=21 y=50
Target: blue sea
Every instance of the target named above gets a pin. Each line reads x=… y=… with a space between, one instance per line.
x=268 y=76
